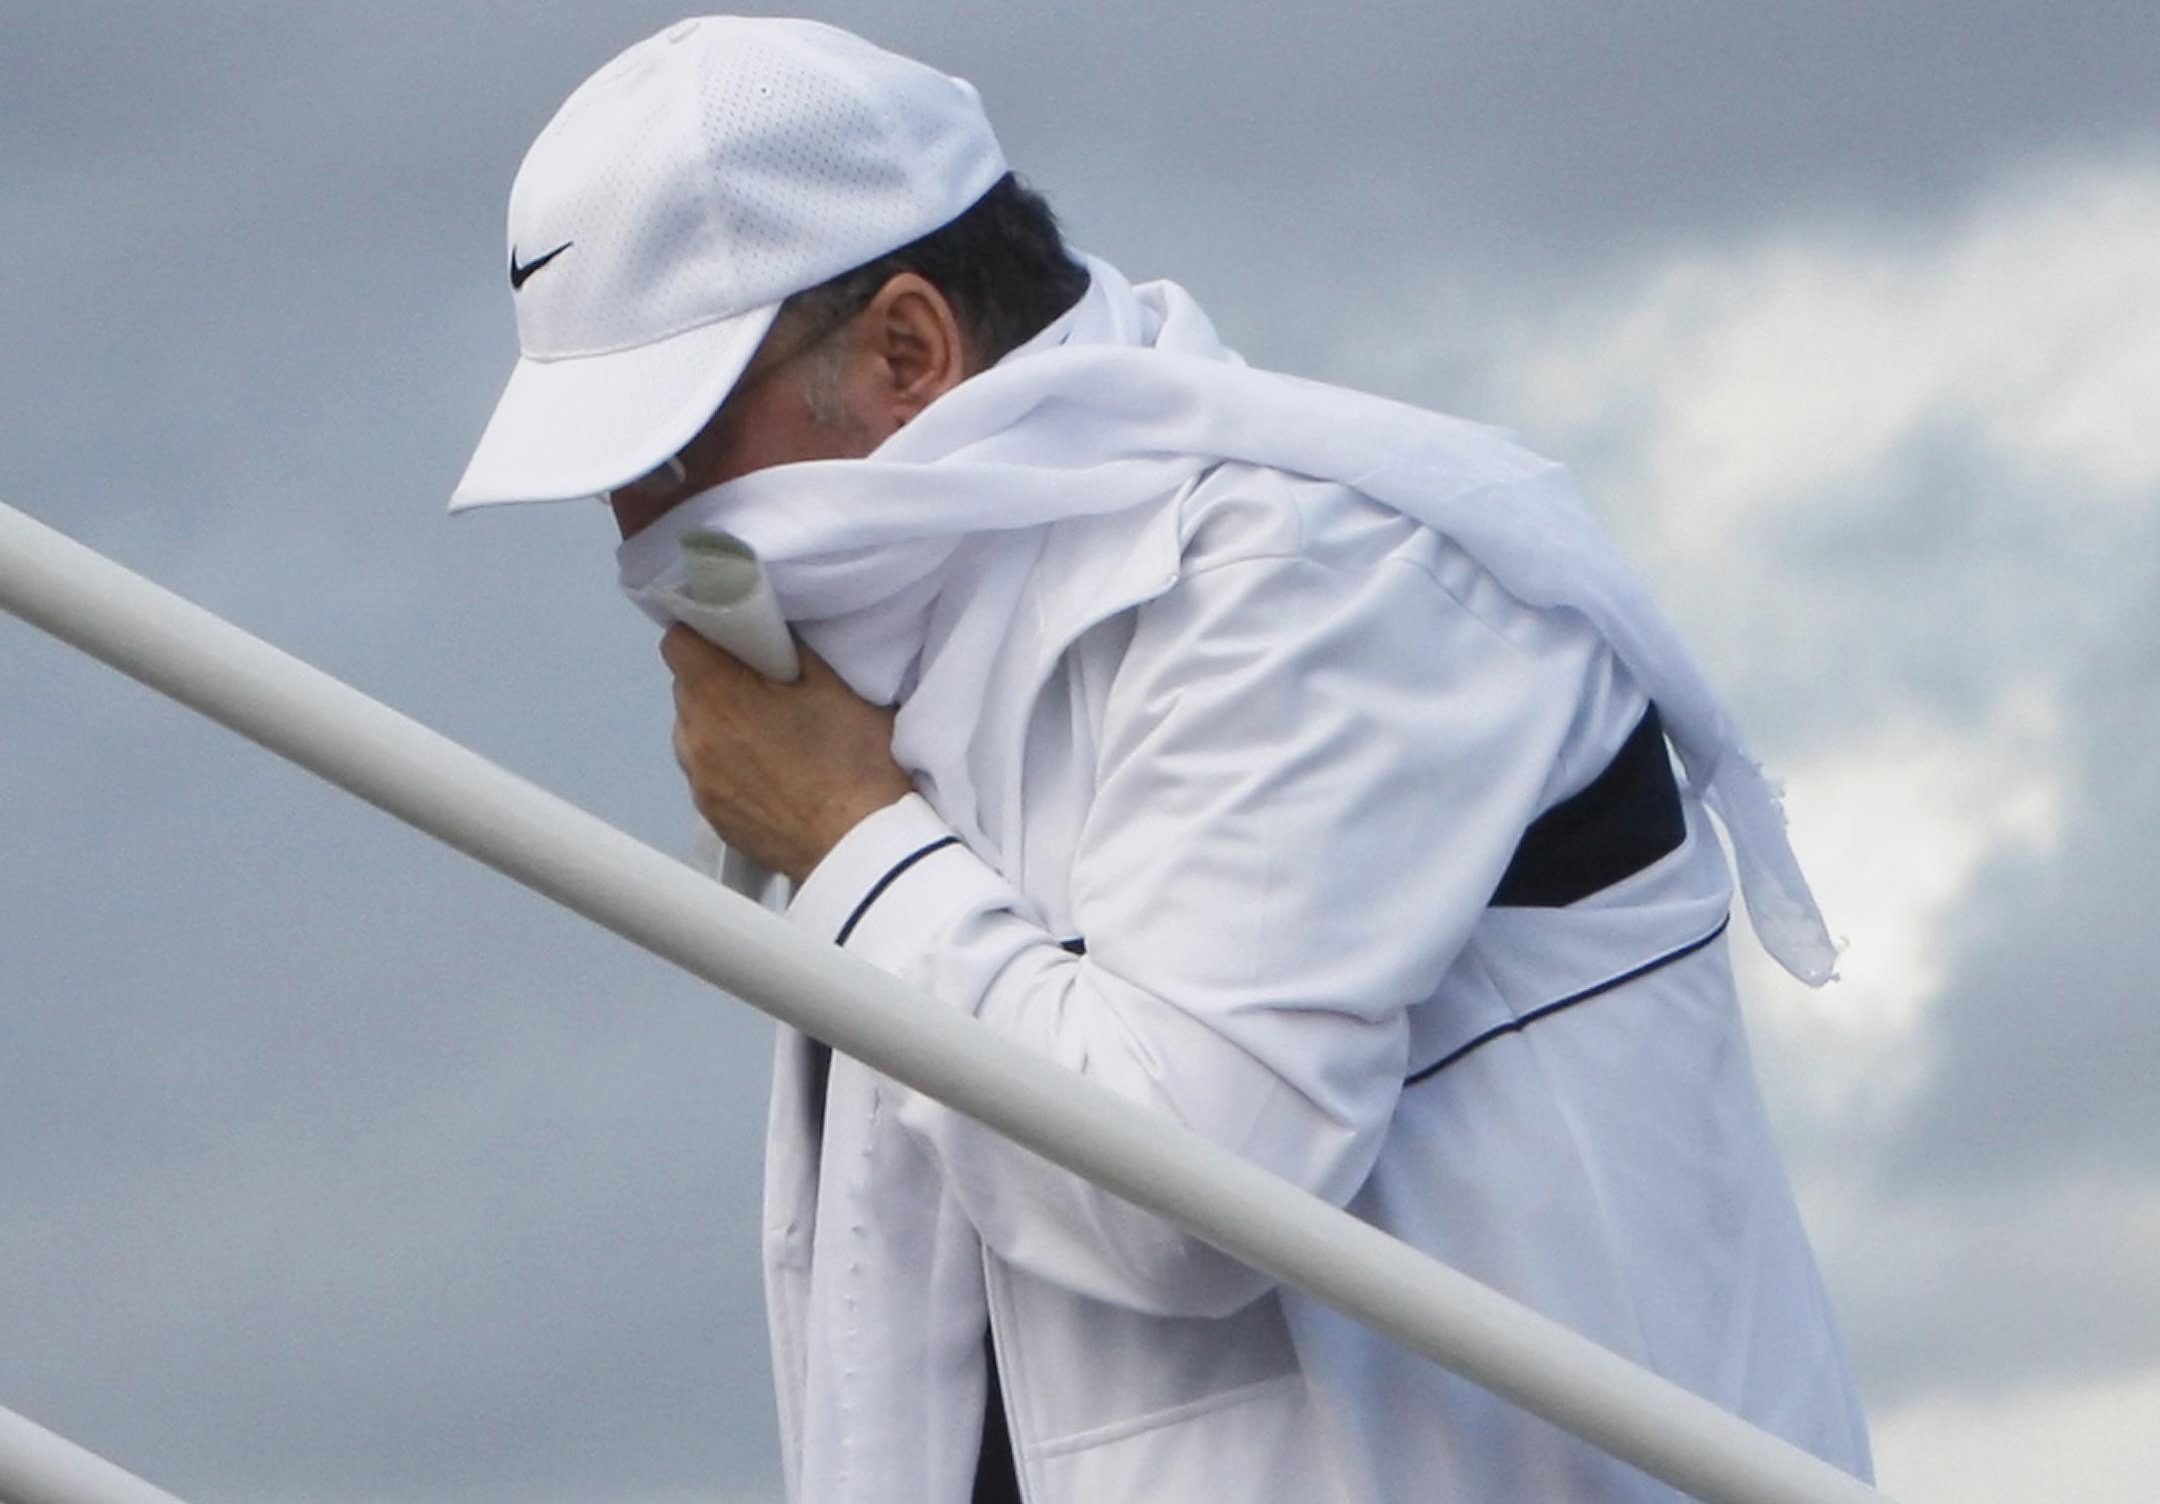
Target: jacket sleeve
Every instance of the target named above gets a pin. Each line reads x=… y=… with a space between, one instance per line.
x=1309 y=781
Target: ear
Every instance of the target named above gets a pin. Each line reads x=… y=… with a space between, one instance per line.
x=918 y=350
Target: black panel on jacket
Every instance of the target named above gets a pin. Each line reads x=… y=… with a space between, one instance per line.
x=1626 y=819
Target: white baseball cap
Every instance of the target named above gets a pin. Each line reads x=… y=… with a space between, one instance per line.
x=677 y=197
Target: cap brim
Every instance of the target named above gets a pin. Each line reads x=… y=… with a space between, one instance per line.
x=578 y=426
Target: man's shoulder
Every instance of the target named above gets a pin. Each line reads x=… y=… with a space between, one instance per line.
x=1237 y=513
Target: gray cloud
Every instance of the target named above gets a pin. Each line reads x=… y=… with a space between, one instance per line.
x=1934 y=590
x=1992 y=1294
x=2001 y=1235
x=2046 y=1040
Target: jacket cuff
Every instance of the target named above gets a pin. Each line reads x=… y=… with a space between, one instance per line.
x=879 y=883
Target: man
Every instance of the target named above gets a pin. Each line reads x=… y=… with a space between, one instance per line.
x=1288 y=761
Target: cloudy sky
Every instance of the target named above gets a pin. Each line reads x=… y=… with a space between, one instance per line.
x=334 y=1167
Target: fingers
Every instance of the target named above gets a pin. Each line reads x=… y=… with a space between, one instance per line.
x=781 y=771
x=688 y=656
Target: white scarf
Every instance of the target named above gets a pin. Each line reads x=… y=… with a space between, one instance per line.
x=904 y=570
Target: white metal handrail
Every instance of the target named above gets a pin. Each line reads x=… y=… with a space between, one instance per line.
x=37 y=1467
x=659 y=903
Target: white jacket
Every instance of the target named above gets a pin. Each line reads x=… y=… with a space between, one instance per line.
x=1285 y=744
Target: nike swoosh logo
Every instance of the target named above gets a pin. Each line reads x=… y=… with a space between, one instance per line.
x=519 y=274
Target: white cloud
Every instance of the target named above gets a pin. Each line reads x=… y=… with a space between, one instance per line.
x=1893 y=829
x=1764 y=424
x=2096 y=1442
x=1761 y=379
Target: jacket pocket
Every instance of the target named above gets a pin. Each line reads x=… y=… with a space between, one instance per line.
x=1258 y=1441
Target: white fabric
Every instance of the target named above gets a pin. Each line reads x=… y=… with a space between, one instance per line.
x=904 y=571
x=718 y=589
x=674 y=200
x=1278 y=743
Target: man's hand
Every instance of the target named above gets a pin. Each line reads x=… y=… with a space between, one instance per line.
x=781 y=771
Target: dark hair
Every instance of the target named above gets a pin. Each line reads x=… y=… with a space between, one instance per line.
x=1002 y=265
